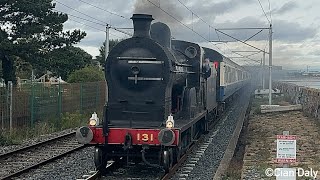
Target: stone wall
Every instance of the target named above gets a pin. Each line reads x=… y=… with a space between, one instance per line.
x=309 y=98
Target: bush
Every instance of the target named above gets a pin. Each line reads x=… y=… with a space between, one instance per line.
x=68 y=120
x=86 y=74
x=73 y=120
x=5 y=140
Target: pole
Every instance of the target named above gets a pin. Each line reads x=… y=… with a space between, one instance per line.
x=263 y=65
x=261 y=73
x=106 y=55
x=10 y=107
x=107 y=42
x=59 y=106
x=32 y=99
x=270 y=66
x=81 y=98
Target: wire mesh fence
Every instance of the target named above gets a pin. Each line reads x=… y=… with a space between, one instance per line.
x=33 y=103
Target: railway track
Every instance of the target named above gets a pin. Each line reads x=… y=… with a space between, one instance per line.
x=188 y=162
x=19 y=161
x=194 y=153
x=94 y=175
x=197 y=166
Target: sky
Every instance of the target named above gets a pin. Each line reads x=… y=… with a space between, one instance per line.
x=295 y=26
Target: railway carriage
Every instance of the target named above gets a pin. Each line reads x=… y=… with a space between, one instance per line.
x=231 y=77
x=161 y=94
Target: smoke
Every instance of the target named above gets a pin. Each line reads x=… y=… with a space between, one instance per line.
x=153 y=7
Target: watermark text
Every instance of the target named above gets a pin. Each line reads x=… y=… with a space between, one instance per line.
x=291 y=172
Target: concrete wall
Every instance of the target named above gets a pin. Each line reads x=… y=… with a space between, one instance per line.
x=309 y=98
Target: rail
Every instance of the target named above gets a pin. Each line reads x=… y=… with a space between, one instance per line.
x=17 y=162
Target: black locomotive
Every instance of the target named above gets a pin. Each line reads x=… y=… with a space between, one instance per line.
x=162 y=94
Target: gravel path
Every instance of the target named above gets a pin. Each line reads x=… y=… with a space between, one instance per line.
x=70 y=167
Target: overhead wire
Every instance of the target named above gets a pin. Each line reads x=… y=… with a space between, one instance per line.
x=80 y=12
x=107 y=24
x=193 y=13
x=87 y=25
x=264 y=11
x=113 y=13
x=79 y=17
x=86 y=20
x=270 y=11
x=183 y=24
x=128 y=18
x=94 y=28
x=176 y=19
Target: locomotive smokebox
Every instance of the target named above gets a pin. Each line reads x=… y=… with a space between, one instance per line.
x=161 y=33
x=141 y=25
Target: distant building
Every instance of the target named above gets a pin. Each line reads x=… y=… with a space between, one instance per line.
x=311 y=74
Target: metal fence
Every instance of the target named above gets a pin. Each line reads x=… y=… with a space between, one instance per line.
x=35 y=103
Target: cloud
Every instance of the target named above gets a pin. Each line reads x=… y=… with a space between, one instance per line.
x=94 y=51
x=210 y=9
x=292 y=31
x=285 y=8
x=286 y=31
x=295 y=40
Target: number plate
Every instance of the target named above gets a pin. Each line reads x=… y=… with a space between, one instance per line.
x=145 y=137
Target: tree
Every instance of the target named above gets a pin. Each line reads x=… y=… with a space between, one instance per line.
x=30 y=29
x=86 y=74
x=64 y=60
x=23 y=68
x=101 y=58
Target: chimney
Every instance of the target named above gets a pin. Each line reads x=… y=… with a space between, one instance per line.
x=141 y=25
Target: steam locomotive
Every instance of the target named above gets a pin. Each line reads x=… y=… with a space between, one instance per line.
x=162 y=94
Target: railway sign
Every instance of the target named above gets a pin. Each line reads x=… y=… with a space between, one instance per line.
x=286 y=148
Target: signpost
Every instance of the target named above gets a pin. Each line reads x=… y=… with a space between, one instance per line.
x=286 y=148
x=286 y=153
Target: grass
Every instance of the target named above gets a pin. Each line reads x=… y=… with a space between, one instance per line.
x=257 y=102
x=72 y=120
x=68 y=120
x=18 y=135
x=235 y=167
x=5 y=140
x=234 y=171
x=261 y=168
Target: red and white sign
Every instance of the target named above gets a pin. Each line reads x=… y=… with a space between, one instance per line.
x=286 y=148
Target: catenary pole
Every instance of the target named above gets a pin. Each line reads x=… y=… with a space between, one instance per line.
x=270 y=65
x=263 y=69
x=261 y=73
x=107 y=42
x=106 y=53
